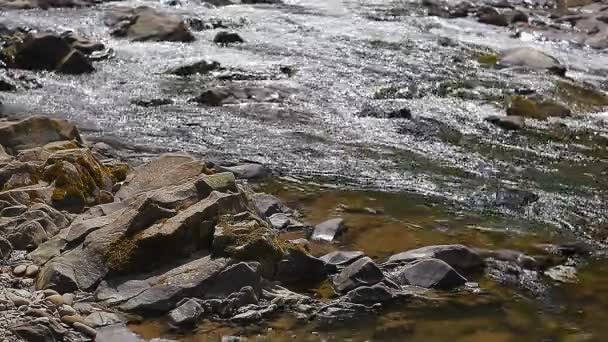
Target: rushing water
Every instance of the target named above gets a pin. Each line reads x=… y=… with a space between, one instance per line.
x=349 y=55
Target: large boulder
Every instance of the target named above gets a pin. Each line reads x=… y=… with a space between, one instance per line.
x=458 y=256
x=147 y=24
x=35 y=131
x=48 y=51
x=154 y=229
x=429 y=273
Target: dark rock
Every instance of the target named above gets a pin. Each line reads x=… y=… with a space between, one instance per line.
x=458 y=256
x=186 y=313
x=226 y=38
x=376 y=112
x=340 y=259
x=81 y=44
x=220 y=96
x=248 y=171
x=6 y=249
x=47 y=51
x=300 y=267
x=514 y=198
x=378 y=293
x=234 y=278
x=429 y=273
x=152 y=102
x=511 y=123
x=58 y=277
x=518 y=17
x=202 y=68
x=147 y=24
x=490 y=16
x=75 y=63
x=329 y=230
x=363 y=272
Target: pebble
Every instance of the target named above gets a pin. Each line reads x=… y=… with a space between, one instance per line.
x=68 y=298
x=32 y=271
x=37 y=313
x=66 y=310
x=71 y=320
x=49 y=292
x=19 y=301
x=19 y=270
x=55 y=299
x=85 y=329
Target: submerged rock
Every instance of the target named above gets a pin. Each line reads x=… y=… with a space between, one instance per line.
x=535 y=108
x=147 y=24
x=530 y=58
x=220 y=96
x=202 y=67
x=226 y=38
x=511 y=123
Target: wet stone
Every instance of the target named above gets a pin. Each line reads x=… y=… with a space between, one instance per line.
x=186 y=313
x=329 y=230
x=32 y=271
x=19 y=271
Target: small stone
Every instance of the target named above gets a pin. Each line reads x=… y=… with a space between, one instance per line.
x=66 y=310
x=68 y=298
x=32 y=271
x=57 y=300
x=19 y=270
x=49 y=292
x=563 y=274
x=71 y=320
x=84 y=329
x=225 y=38
x=19 y=301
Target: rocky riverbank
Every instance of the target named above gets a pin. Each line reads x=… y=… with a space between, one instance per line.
x=88 y=241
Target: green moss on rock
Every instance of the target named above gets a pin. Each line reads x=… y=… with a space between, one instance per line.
x=536 y=108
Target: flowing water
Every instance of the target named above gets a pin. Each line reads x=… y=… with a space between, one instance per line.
x=436 y=176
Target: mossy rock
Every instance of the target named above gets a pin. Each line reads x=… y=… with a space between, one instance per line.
x=534 y=108
x=488 y=59
x=78 y=178
x=581 y=97
x=248 y=241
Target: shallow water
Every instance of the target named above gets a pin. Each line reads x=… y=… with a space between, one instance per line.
x=436 y=177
